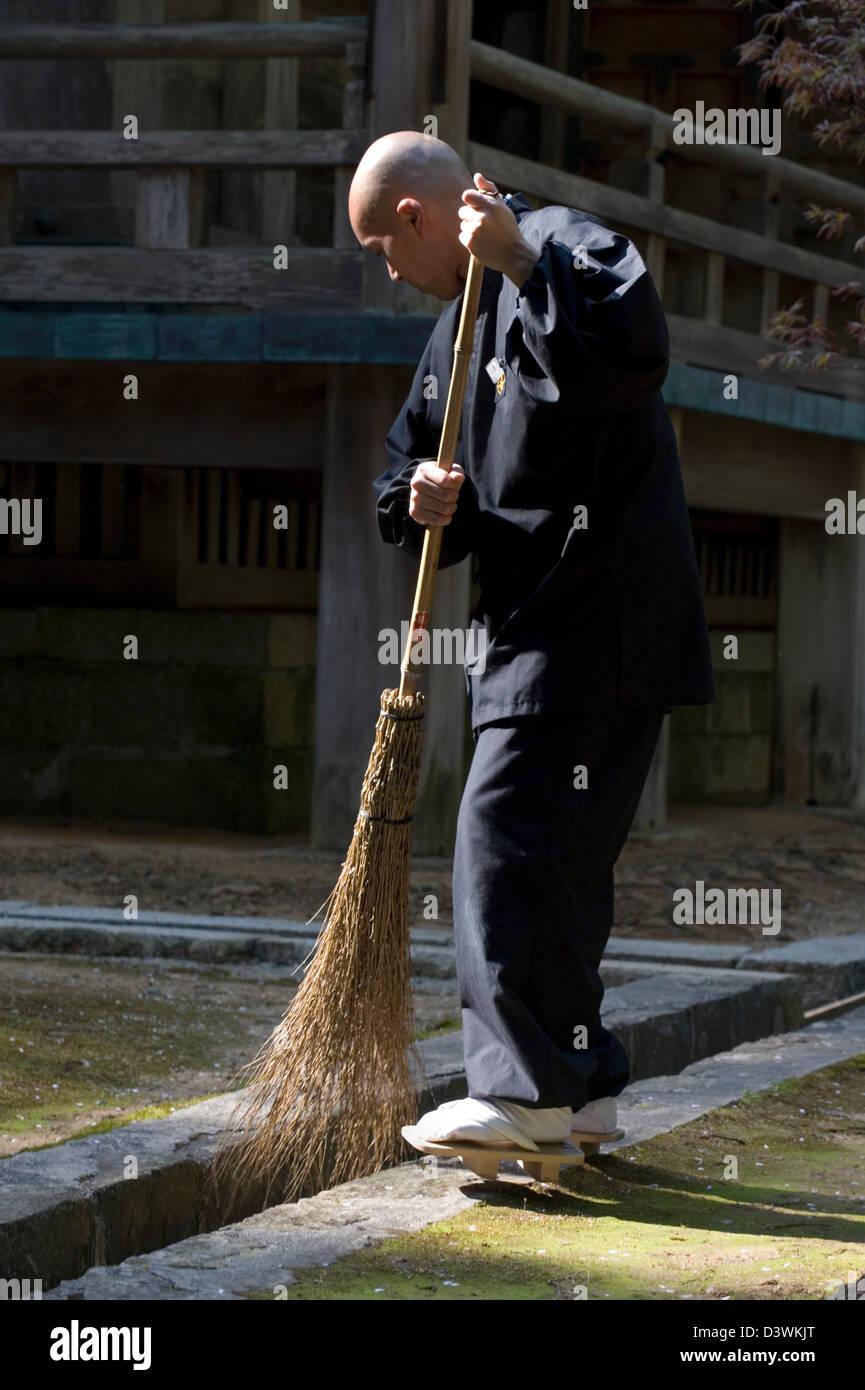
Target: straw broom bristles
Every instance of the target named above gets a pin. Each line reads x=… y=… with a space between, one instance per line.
x=333 y=1084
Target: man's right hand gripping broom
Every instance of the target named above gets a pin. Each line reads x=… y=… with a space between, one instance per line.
x=434 y=493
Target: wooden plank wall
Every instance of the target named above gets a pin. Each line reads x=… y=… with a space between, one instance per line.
x=185 y=537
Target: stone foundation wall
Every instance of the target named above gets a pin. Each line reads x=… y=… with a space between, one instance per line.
x=723 y=752
x=189 y=732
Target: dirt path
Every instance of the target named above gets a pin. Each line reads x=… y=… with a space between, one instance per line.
x=816 y=859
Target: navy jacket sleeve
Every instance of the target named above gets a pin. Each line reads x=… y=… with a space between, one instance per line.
x=411 y=439
x=589 y=326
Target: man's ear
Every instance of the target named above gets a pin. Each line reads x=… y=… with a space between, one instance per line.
x=411 y=211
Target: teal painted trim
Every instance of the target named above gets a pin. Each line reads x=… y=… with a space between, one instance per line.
x=27 y=334
x=209 y=337
x=110 y=337
x=148 y=335
x=396 y=338
x=166 y=334
x=695 y=388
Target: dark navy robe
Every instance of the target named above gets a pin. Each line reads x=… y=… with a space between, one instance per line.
x=607 y=613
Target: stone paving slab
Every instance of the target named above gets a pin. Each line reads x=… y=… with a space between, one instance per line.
x=68 y=1206
x=831 y=967
x=260 y=1253
x=724 y=957
x=198 y=943
x=18 y=911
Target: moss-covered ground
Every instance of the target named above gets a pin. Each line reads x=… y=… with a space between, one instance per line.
x=86 y=1045
x=764 y=1199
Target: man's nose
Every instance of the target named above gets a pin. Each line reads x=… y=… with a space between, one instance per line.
x=393 y=274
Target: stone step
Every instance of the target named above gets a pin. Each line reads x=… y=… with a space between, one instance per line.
x=829 y=967
x=20 y=912
x=73 y=1205
x=183 y=936
x=257 y=1256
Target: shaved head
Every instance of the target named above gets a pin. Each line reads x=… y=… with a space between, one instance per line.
x=404 y=204
x=403 y=165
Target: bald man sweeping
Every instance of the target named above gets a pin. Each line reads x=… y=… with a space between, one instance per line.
x=566 y=488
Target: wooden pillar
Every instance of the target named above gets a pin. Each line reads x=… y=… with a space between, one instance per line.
x=647 y=176
x=652 y=810
x=557 y=48
x=366 y=586
x=820 y=686
x=419 y=67
x=857 y=663
x=136 y=90
x=401 y=71
x=677 y=416
x=451 y=103
x=353 y=118
x=279 y=186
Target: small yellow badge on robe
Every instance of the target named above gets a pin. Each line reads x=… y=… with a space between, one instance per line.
x=495 y=370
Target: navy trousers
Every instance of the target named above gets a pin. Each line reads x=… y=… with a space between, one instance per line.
x=533 y=900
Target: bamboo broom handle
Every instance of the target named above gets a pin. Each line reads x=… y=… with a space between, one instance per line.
x=411 y=670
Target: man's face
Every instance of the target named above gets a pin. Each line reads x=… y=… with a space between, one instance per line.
x=421 y=253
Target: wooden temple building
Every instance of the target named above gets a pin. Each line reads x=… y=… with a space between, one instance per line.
x=190 y=338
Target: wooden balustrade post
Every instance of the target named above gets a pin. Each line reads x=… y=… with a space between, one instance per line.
x=820 y=304
x=714 y=297
x=8 y=206
x=353 y=118
x=399 y=90
x=655 y=190
x=451 y=106
x=280 y=106
x=169 y=208
x=769 y=227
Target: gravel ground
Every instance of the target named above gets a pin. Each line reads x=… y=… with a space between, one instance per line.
x=816 y=858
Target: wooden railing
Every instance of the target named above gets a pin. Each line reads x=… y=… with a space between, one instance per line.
x=704 y=341
x=170 y=168
x=323 y=39
x=513 y=74
x=168 y=262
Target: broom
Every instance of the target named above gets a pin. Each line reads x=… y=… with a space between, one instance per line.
x=333 y=1085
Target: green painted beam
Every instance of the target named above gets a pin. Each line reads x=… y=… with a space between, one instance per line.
x=696 y=388
x=157 y=334
x=169 y=335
